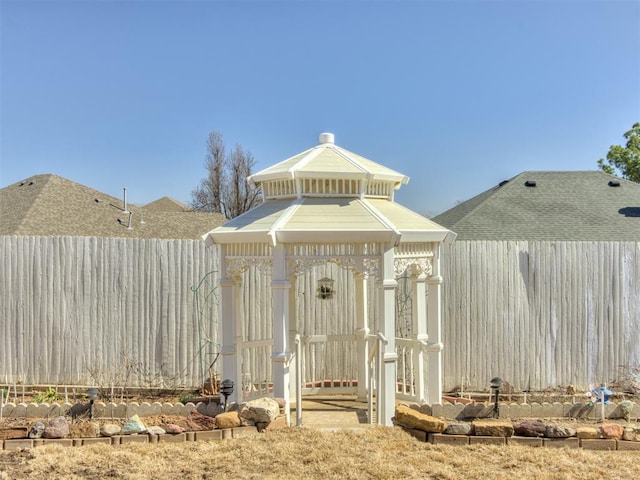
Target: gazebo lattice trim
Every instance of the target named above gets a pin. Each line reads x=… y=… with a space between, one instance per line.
x=363 y=258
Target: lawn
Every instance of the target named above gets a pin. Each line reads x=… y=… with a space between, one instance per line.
x=300 y=453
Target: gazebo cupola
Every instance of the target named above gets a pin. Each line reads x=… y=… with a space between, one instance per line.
x=328 y=170
x=328 y=205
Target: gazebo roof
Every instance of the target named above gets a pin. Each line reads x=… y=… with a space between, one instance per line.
x=328 y=160
x=329 y=195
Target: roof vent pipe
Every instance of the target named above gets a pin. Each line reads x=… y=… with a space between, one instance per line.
x=326 y=138
x=124 y=208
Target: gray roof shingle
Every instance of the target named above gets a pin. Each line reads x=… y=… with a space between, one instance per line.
x=562 y=206
x=49 y=205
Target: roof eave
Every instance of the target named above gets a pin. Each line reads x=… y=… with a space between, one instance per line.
x=219 y=237
x=419 y=236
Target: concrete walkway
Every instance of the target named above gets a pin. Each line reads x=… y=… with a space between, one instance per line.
x=332 y=412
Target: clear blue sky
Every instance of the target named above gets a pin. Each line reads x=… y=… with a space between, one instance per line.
x=457 y=95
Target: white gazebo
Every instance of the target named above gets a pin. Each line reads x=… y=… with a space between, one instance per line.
x=324 y=206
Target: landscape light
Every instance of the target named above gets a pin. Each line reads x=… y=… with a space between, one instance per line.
x=226 y=389
x=496 y=385
x=92 y=395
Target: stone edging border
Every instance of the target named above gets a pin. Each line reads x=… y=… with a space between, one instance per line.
x=578 y=410
x=573 y=442
x=241 y=432
x=103 y=410
x=218 y=434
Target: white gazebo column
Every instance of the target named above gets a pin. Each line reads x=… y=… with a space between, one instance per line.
x=362 y=330
x=434 y=328
x=419 y=314
x=387 y=388
x=280 y=304
x=230 y=327
x=295 y=361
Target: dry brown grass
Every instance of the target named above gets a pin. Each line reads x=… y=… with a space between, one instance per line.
x=310 y=454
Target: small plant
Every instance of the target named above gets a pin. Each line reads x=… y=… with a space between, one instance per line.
x=46 y=397
x=186 y=398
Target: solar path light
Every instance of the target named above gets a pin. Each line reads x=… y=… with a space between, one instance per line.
x=92 y=395
x=226 y=389
x=496 y=385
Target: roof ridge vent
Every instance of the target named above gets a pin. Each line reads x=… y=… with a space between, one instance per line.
x=530 y=183
x=614 y=183
x=326 y=137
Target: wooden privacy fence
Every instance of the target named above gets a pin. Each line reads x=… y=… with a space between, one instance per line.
x=540 y=314
x=82 y=310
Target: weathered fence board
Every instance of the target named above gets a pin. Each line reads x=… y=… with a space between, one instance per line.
x=540 y=314
x=81 y=310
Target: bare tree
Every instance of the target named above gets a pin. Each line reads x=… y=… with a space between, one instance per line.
x=225 y=188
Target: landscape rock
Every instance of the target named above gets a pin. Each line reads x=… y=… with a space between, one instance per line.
x=410 y=418
x=210 y=409
x=532 y=428
x=173 y=428
x=458 y=429
x=631 y=433
x=278 y=424
x=57 y=428
x=109 y=429
x=611 y=430
x=197 y=421
x=558 y=431
x=260 y=410
x=228 y=420
x=491 y=428
x=587 y=433
x=84 y=429
x=37 y=430
x=155 y=430
x=133 y=425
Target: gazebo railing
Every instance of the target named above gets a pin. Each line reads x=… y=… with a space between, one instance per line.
x=329 y=364
x=411 y=369
x=375 y=360
x=257 y=376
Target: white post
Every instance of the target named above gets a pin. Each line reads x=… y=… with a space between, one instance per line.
x=387 y=388
x=362 y=330
x=419 y=313
x=298 y=342
x=228 y=326
x=280 y=304
x=295 y=361
x=238 y=340
x=434 y=329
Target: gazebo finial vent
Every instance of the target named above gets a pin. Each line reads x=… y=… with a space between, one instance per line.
x=326 y=137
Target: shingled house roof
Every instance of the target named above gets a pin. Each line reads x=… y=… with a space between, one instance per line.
x=563 y=206
x=49 y=205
